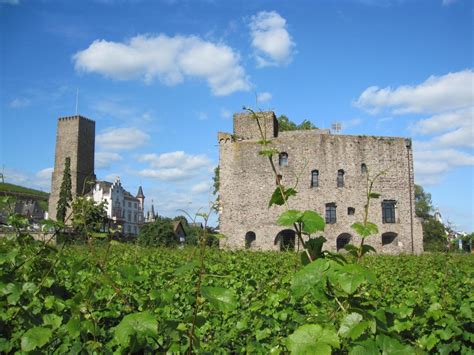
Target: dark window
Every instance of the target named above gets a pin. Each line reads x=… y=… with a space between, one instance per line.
x=342 y=241
x=388 y=238
x=363 y=169
x=330 y=213
x=286 y=238
x=283 y=159
x=249 y=239
x=350 y=211
x=388 y=211
x=340 y=178
x=315 y=178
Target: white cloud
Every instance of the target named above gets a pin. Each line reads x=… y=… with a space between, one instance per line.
x=201 y=187
x=444 y=121
x=175 y=166
x=103 y=160
x=431 y=165
x=272 y=43
x=226 y=114
x=437 y=94
x=122 y=138
x=169 y=59
x=19 y=103
x=263 y=97
x=39 y=180
x=448 y=2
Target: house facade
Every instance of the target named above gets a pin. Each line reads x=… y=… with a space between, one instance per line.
x=123 y=209
x=330 y=175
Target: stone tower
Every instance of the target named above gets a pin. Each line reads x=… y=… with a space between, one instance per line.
x=75 y=138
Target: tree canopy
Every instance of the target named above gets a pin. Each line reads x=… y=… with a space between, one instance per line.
x=285 y=124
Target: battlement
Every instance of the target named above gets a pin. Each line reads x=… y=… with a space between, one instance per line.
x=76 y=117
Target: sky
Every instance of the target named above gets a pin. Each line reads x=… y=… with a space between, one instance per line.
x=161 y=78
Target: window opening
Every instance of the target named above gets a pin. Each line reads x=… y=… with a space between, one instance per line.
x=340 y=178
x=314 y=178
x=283 y=159
x=388 y=211
x=330 y=213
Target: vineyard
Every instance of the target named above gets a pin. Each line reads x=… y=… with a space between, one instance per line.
x=125 y=298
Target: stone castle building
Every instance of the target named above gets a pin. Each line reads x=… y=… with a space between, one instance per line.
x=329 y=172
x=75 y=139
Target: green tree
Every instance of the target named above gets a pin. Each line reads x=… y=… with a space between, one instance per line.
x=216 y=180
x=88 y=216
x=434 y=235
x=65 y=193
x=285 y=124
x=158 y=233
x=423 y=204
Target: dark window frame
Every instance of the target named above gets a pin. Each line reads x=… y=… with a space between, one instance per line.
x=389 y=211
x=331 y=213
x=363 y=168
x=340 y=178
x=315 y=178
x=283 y=159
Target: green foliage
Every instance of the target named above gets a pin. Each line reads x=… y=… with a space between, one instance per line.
x=88 y=216
x=423 y=204
x=158 y=233
x=216 y=180
x=285 y=124
x=434 y=235
x=65 y=192
x=278 y=198
x=21 y=190
x=222 y=299
x=60 y=300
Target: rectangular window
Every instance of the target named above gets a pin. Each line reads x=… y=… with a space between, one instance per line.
x=314 y=178
x=330 y=213
x=388 y=211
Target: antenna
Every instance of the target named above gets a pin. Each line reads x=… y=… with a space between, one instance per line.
x=336 y=127
x=77 y=99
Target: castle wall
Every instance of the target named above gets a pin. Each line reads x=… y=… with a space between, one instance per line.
x=247 y=183
x=75 y=138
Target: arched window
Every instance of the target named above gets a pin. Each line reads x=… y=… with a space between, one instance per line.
x=388 y=238
x=249 y=239
x=286 y=238
x=314 y=178
x=283 y=159
x=363 y=168
x=340 y=178
x=330 y=213
x=388 y=211
x=342 y=240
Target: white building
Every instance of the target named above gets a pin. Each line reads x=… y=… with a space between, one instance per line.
x=123 y=208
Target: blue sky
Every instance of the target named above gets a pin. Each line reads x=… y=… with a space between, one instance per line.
x=160 y=78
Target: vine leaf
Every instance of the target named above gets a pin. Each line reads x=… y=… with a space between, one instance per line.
x=222 y=299
x=141 y=324
x=312 y=222
x=35 y=338
x=365 y=230
x=312 y=339
x=277 y=197
x=309 y=277
x=289 y=217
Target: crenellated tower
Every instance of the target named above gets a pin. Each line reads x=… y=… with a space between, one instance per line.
x=75 y=138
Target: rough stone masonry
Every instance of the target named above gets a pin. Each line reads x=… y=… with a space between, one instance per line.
x=75 y=138
x=330 y=173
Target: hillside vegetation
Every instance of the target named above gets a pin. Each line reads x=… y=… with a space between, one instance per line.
x=11 y=189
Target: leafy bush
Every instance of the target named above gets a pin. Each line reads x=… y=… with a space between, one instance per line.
x=158 y=233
